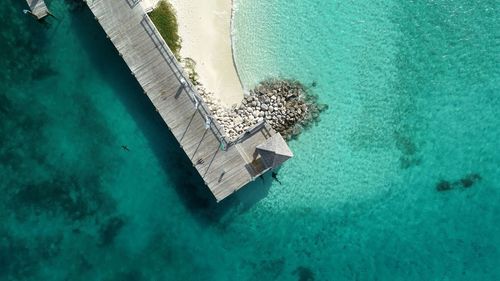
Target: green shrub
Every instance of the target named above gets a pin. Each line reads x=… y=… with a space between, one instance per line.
x=165 y=21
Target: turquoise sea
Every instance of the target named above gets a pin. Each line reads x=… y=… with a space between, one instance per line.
x=413 y=89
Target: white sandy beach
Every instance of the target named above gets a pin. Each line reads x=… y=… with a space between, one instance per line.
x=205 y=29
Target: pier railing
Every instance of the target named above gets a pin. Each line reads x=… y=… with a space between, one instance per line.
x=133 y=3
x=191 y=91
x=248 y=133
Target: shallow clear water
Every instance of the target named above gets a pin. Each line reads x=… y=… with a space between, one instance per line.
x=413 y=95
x=414 y=90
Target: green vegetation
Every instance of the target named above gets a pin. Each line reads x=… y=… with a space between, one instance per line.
x=190 y=67
x=166 y=22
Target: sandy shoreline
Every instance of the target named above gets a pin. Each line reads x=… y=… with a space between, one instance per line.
x=205 y=29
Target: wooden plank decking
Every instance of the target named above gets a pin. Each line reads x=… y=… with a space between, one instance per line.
x=225 y=167
x=38 y=8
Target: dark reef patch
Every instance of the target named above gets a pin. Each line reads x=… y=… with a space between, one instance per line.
x=110 y=229
x=16 y=259
x=469 y=180
x=20 y=258
x=43 y=71
x=408 y=149
x=465 y=182
x=47 y=139
x=74 y=196
x=44 y=182
x=21 y=42
x=304 y=273
x=443 y=185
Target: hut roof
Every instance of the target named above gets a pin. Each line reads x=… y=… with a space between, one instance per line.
x=274 y=151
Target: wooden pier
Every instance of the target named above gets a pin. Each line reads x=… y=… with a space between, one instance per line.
x=224 y=166
x=38 y=8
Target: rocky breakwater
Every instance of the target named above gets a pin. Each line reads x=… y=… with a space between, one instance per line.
x=286 y=105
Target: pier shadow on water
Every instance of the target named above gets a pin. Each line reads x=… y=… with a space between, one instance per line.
x=187 y=182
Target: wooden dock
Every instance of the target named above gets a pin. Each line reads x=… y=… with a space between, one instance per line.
x=224 y=166
x=38 y=8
